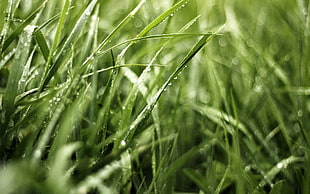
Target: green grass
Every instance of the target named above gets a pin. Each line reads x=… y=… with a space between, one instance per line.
x=188 y=96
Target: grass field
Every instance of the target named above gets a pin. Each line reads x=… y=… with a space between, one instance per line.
x=166 y=96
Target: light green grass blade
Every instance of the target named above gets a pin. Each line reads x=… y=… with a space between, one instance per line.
x=74 y=35
x=56 y=39
x=282 y=165
x=41 y=41
x=7 y=14
x=3 y=6
x=114 y=33
x=17 y=32
x=148 y=108
x=162 y=17
x=68 y=122
x=20 y=60
x=6 y=58
x=57 y=179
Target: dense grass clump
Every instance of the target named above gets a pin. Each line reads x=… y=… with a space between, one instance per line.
x=194 y=96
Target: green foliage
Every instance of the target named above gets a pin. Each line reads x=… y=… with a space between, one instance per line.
x=154 y=96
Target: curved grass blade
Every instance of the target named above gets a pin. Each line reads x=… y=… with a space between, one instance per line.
x=268 y=177
x=152 y=25
x=149 y=107
x=139 y=86
x=155 y=36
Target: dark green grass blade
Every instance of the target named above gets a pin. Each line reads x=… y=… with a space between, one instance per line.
x=41 y=41
x=197 y=178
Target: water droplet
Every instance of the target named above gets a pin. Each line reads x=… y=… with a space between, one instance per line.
x=300 y=113
x=247 y=168
x=280 y=165
x=171 y=14
x=235 y=61
x=37 y=154
x=222 y=42
x=175 y=78
x=169 y=84
x=87 y=12
x=123 y=143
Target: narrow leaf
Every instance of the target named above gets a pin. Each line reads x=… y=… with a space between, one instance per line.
x=27 y=21
x=40 y=39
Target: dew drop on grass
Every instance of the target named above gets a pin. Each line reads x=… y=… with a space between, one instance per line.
x=280 y=165
x=123 y=143
x=87 y=13
x=247 y=168
x=222 y=42
x=170 y=84
x=171 y=15
x=235 y=61
x=175 y=78
x=37 y=154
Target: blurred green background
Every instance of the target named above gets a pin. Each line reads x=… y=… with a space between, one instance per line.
x=234 y=121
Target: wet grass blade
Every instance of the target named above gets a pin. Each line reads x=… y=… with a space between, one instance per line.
x=149 y=107
x=7 y=58
x=17 y=32
x=55 y=42
x=74 y=35
x=20 y=60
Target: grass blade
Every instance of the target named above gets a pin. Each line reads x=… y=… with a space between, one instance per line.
x=41 y=41
x=55 y=41
x=20 y=60
x=27 y=21
x=149 y=107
